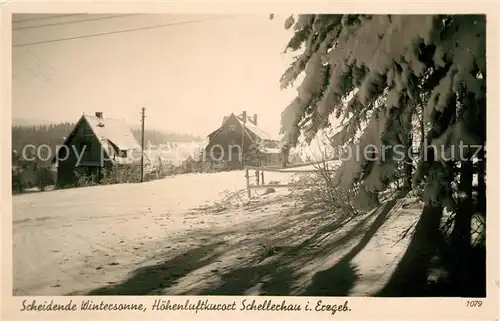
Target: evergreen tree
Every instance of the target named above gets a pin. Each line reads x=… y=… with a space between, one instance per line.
x=377 y=74
x=255 y=157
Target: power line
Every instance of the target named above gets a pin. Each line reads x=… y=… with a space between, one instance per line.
x=40 y=61
x=72 y=22
x=119 y=31
x=51 y=17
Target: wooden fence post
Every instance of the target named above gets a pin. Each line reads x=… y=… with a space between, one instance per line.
x=247 y=176
x=257 y=176
x=262 y=178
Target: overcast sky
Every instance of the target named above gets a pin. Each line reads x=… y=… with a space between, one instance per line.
x=188 y=76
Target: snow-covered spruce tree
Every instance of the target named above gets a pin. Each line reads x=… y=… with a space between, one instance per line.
x=254 y=157
x=382 y=71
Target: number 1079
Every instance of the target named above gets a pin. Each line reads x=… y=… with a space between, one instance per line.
x=474 y=303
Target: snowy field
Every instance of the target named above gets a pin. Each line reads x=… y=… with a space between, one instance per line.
x=173 y=236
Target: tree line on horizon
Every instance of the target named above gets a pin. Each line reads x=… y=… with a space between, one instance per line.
x=54 y=134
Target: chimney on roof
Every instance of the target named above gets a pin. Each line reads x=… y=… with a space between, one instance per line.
x=98 y=114
x=244 y=116
x=255 y=119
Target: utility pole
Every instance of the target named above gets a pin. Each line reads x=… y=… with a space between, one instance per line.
x=244 y=116
x=242 y=142
x=143 y=115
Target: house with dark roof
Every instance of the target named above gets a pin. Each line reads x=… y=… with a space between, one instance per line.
x=235 y=139
x=96 y=143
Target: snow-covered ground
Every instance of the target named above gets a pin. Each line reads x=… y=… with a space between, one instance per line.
x=166 y=236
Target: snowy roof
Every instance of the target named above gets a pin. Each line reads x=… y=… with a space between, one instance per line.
x=266 y=150
x=250 y=127
x=111 y=131
x=114 y=130
x=258 y=131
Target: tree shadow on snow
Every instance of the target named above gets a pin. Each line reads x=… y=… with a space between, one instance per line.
x=410 y=278
x=270 y=279
x=340 y=278
x=276 y=273
x=279 y=276
x=152 y=279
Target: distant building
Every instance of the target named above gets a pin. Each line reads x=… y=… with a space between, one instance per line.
x=99 y=143
x=238 y=138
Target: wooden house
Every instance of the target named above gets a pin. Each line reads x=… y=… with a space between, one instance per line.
x=237 y=138
x=96 y=143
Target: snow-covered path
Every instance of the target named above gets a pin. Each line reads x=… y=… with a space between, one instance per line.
x=66 y=240
x=162 y=237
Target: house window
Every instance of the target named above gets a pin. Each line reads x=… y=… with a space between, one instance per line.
x=232 y=128
x=123 y=153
